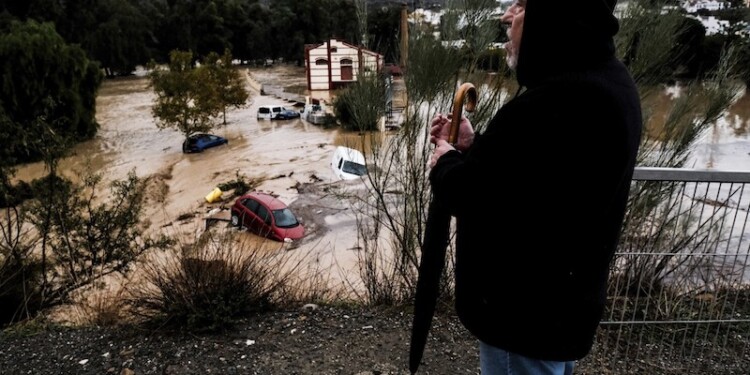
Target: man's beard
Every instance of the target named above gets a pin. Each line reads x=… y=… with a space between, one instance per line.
x=511 y=57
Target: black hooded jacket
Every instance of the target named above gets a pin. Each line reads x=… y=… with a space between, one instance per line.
x=551 y=175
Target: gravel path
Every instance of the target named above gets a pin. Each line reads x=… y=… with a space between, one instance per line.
x=324 y=340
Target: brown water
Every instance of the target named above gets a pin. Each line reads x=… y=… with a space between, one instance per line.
x=129 y=139
x=285 y=153
x=726 y=144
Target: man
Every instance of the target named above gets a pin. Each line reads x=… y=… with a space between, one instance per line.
x=533 y=249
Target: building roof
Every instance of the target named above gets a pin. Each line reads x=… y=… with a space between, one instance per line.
x=365 y=50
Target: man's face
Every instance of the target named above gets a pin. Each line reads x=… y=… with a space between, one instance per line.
x=514 y=18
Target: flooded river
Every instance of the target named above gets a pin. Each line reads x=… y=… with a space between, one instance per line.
x=286 y=153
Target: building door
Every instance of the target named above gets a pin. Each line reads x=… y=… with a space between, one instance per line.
x=347 y=71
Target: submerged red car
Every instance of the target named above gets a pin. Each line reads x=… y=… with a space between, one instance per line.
x=266 y=216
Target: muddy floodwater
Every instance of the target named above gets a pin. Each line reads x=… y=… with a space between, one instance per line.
x=285 y=154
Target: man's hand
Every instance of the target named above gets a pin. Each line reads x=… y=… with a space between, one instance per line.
x=440 y=130
x=441 y=147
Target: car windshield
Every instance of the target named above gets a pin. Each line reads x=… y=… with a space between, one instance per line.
x=285 y=218
x=354 y=168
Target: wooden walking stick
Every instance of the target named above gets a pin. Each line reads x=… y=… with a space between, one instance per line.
x=436 y=237
x=468 y=93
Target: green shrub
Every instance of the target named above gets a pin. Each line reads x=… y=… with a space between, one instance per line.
x=361 y=105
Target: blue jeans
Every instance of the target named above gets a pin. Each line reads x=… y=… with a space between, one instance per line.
x=495 y=361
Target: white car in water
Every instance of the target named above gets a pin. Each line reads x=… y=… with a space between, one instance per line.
x=276 y=112
x=348 y=163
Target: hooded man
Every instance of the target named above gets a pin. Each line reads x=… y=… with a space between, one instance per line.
x=533 y=254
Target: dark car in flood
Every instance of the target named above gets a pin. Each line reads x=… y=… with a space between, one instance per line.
x=266 y=216
x=287 y=114
x=201 y=141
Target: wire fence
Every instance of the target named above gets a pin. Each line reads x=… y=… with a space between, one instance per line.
x=680 y=279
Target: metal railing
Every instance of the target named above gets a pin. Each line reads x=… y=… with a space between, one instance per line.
x=680 y=285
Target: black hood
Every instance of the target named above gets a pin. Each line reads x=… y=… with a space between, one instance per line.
x=562 y=37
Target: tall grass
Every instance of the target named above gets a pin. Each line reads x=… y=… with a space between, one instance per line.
x=392 y=212
x=220 y=280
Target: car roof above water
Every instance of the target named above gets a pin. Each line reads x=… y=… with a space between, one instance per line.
x=272 y=106
x=199 y=135
x=269 y=200
x=348 y=154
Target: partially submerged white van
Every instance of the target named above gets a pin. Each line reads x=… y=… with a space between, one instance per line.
x=276 y=112
x=348 y=163
x=268 y=112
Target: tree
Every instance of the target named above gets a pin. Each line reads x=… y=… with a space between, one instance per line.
x=186 y=98
x=38 y=10
x=258 y=42
x=236 y=14
x=45 y=82
x=119 y=41
x=295 y=23
x=383 y=28
x=475 y=24
x=198 y=26
x=57 y=237
x=688 y=48
x=744 y=62
x=362 y=104
x=83 y=240
x=210 y=31
x=230 y=85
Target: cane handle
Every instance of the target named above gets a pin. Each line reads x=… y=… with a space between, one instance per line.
x=466 y=92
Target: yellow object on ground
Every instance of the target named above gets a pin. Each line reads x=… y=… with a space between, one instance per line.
x=214 y=195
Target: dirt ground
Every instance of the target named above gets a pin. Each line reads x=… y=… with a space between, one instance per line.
x=324 y=340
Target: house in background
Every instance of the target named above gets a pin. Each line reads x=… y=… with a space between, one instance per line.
x=692 y=6
x=335 y=64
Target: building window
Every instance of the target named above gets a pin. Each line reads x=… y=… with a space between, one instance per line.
x=321 y=62
x=334 y=49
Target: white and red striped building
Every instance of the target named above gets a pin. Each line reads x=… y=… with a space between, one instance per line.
x=335 y=64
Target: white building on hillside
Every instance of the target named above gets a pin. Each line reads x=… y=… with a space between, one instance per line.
x=692 y=6
x=426 y=16
x=712 y=24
